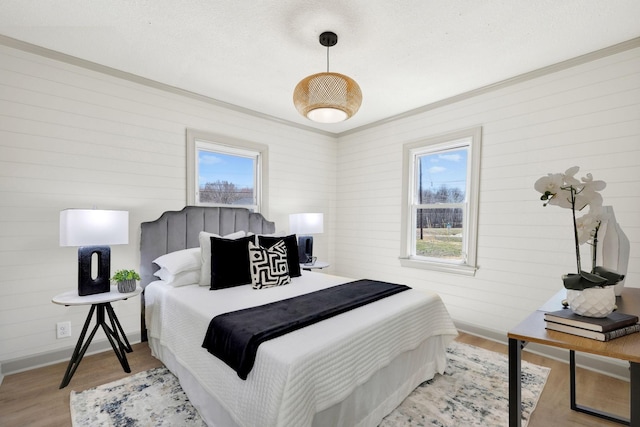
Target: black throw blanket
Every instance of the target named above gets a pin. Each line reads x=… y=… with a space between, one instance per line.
x=234 y=337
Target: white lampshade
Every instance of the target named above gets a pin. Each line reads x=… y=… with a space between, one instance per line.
x=306 y=223
x=93 y=227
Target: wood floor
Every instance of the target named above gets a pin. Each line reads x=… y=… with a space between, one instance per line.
x=32 y=398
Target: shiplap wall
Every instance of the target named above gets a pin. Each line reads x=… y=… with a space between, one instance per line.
x=72 y=137
x=587 y=115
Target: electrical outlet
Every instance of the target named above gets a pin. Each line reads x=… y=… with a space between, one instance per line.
x=63 y=329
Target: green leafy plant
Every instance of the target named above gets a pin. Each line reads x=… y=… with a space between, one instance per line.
x=122 y=275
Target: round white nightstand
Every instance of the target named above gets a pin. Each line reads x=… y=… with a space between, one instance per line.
x=100 y=304
x=318 y=265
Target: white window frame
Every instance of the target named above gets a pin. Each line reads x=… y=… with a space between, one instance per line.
x=199 y=140
x=471 y=138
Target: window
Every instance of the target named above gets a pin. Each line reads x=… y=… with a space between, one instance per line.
x=223 y=171
x=440 y=202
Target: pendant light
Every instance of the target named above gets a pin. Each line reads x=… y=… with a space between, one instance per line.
x=327 y=97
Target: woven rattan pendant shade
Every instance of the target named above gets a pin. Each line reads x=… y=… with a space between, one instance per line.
x=327 y=91
x=327 y=97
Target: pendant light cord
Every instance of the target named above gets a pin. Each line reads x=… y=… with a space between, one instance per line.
x=327 y=59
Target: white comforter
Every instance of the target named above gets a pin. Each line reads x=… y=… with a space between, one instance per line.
x=303 y=372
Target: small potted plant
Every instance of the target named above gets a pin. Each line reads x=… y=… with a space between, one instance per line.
x=126 y=280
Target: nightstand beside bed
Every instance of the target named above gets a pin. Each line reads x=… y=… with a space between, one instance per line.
x=100 y=305
x=318 y=265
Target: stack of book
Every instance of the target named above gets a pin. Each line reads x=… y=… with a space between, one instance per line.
x=602 y=329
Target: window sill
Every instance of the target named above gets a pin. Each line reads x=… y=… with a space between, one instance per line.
x=463 y=269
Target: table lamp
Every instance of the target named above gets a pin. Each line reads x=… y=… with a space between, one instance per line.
x=304 y=224
x=93 y=230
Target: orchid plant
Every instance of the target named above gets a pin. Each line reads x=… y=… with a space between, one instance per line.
x=566 y=191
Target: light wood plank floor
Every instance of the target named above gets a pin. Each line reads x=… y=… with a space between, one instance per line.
x=32 y=398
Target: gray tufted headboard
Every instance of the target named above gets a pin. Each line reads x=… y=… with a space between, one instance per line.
x=176 y=230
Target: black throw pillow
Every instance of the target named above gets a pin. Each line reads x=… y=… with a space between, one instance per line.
x=230 y=262
x=291 y=242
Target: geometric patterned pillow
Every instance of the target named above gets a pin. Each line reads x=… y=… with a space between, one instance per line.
x=269 y=266
x=291 y=242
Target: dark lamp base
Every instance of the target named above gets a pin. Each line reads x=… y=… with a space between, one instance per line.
x=88 y=285
x=305 y=249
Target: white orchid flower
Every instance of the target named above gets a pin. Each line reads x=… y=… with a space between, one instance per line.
x=551 y=183
x=592 y=185
x=566 y=191
x=587 y=197
x=596 y=211
x=586 y=227
x=569 y=176
x=563 y=198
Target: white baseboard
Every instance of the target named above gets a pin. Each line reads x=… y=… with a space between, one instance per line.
x=608 y=366
x=14 y=366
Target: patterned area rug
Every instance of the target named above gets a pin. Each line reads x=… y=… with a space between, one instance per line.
x=149 y=398
x=473 y=392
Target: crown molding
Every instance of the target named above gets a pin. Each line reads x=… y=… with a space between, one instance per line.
x=83 y=63
x=114 y=72
x=550 y=69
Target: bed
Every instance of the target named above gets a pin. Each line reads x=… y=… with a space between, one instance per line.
x=352 y=369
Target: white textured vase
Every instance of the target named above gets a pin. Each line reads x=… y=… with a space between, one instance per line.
x=592 y=302
x=613 y=247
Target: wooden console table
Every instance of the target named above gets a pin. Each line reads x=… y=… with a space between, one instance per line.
x=532 y=329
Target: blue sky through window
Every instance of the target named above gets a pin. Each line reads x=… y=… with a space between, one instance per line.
x=444 y=168
x=214 y=167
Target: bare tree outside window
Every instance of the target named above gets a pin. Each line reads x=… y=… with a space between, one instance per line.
x=223 y=171
x=227 y=178
x=440 y=207
x=440 y=202
x=226 y=193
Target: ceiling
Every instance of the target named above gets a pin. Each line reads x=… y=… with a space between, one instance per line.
x=404 y=54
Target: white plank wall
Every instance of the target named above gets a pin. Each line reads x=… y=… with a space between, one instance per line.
x=71 y=137
x=587 y=115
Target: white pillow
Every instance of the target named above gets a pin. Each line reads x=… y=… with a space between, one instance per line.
x=166 y=276
x=181 y=279
x=163 y=274
x=205 y=253
x=179 y=261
